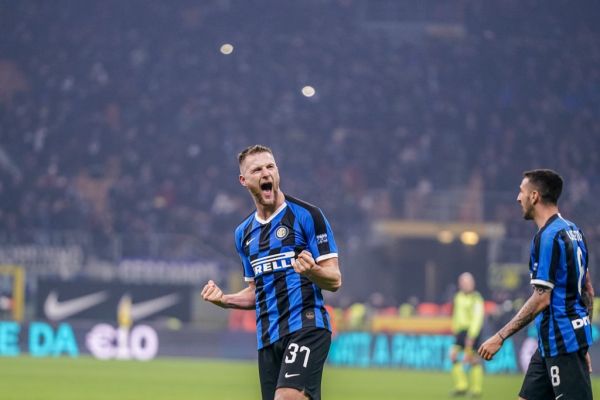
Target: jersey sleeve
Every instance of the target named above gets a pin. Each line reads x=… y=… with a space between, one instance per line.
x=544 y=273
x=248 y=270
x=320 y=240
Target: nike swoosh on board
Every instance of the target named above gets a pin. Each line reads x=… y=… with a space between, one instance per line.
x=146 y=308
x=57 y=310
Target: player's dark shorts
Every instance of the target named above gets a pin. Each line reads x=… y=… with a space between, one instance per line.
x=461 y=337
x=295 y=361
x=564 y=377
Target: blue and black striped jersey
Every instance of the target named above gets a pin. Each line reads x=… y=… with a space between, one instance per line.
x=285 y=300
x=559 y=260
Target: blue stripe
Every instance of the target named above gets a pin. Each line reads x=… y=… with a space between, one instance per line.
x=272 y=310
x=292 y=280
x=588 y=334
x=318 y=303
x=552 y=337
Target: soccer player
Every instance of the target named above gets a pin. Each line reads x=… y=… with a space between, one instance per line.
x=562 y=298
x=289 y=255
x=467 y=320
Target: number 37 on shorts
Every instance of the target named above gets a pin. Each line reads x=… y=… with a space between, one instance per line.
x=292 y=353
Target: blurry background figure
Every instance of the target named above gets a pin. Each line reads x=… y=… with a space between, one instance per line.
x=467 y=321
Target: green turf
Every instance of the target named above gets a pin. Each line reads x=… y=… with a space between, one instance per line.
x=25 y=378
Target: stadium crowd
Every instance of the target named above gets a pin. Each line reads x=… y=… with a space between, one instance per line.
x=125 y=118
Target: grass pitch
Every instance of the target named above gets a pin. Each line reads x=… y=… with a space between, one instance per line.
x=26 y=378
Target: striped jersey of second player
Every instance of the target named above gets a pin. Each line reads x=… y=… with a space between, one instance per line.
x=559 y=260
x=285 y=300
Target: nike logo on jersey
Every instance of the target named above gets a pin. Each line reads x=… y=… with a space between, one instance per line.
x=58 y=310
x=146 y=308
x=249 y=241
x=291 y=375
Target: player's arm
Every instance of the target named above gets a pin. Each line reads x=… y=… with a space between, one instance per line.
x=242 y=300
x=325 y=273
x=587 y=295
x=538 y=302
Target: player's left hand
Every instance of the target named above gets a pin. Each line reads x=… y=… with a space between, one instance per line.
x=304 y=263
x=490 y=347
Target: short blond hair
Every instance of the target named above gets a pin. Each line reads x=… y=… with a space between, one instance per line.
x=254 y=149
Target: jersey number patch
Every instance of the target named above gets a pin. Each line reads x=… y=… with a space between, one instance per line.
x=294 y=350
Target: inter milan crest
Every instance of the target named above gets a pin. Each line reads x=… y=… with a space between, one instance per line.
x=282 y=232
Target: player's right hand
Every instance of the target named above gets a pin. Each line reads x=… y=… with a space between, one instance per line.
x=211 y=292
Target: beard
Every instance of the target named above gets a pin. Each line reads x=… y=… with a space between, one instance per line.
x=528 y=213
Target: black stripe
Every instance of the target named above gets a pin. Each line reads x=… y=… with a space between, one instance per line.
x=318 y=221
x=263 y=314
x=288 y=220
x=545 y=332
x=283 y=302
x=264 y=241
x=572 y=289
x=554 y=260
x=308 y=302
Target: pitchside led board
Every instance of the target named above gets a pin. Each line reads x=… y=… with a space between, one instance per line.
x=92 y=300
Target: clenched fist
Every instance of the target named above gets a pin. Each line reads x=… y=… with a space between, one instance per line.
x=213 y=293
x=304 y=263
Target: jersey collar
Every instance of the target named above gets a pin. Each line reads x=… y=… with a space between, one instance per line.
x=550 y=220
x=266 y=221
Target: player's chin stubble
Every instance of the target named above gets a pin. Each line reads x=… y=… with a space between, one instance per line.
x=528 y=214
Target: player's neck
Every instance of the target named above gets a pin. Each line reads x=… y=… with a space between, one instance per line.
x=543 y=214
x=264 y=212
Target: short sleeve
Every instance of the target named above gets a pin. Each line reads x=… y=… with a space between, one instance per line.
x=248 y=271
x=544 y=267
x=320 y=240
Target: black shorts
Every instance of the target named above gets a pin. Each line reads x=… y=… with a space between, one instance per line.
x=295 y=361
x=461 y=337
x=564 y=377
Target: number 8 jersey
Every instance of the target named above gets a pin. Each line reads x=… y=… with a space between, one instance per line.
x=559 y=260
x=285 y=300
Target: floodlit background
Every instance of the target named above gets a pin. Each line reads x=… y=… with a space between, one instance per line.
x=408 y=122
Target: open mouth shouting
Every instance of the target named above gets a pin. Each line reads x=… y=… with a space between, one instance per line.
x=266 y=189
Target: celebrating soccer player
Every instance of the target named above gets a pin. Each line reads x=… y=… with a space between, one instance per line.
x=289 y=254
x=562 y=298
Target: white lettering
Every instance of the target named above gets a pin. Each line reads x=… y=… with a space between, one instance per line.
x=581 y=322
x=575 y=235
x=106 y=342
x=272 y=263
